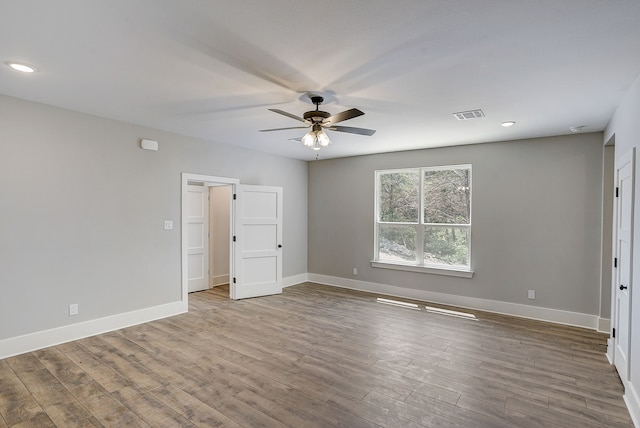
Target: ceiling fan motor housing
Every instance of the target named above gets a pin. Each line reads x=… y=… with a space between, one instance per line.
x=316 y=115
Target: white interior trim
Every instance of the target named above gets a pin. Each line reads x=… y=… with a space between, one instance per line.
x=610 y=350
x=461 y=273
x=506 y=308
x=220 y=280
x=604 y=325
x=294 y=280
x=55 y=336
x=632 y=400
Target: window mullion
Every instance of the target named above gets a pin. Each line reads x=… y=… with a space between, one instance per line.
x=419 y=226
x=419 y=244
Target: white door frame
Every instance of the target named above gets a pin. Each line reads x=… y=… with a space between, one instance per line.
x=206 y=180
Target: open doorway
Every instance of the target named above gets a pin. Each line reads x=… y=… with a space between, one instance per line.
x=206 y=234
x=219 y=238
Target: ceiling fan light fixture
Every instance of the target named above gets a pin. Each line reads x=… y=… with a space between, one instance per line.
x=309 y=139
x=316 y=138
x=323 y=138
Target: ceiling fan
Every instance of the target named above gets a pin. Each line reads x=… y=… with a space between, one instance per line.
x=319 y=121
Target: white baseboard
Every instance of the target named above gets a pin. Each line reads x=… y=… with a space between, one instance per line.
x=38 y=340
x=55 y=336
x=506 y=308
x=295 y=279
x=604 y=325
x=632 y=400
x=610 y=350
x=219 y=280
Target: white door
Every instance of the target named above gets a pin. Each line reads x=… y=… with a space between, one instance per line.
x=257 y=247
x=197 y=213
x=622 y=285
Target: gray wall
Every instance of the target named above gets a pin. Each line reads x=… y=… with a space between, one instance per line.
x=536 y=220
x=82 y=210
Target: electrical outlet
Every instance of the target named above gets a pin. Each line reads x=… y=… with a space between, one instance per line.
x=355 y=271
x=73 y=309
x=531 y=294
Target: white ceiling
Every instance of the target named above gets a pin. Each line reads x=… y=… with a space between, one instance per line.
x=211 y=69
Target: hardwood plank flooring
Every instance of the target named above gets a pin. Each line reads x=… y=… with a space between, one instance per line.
x=318 y=356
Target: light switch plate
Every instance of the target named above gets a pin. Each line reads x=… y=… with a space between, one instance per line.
x=168 y=225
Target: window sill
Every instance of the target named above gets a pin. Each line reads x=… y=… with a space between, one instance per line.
x=461 y=273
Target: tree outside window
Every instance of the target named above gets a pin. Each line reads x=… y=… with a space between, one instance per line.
x=423 y=216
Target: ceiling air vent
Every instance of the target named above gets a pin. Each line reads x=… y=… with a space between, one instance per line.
x=470 y=114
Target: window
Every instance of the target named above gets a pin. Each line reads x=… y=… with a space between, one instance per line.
x=423 y=217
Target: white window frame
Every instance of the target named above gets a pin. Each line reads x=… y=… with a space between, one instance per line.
x=418 y=265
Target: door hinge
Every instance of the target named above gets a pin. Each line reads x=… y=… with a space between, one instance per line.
x=234 y=238
x=615 y=262
x=616 y=192
x=235 y=196
x=234 y=281
x=614 y=330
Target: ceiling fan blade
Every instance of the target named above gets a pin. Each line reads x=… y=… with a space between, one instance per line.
x=345 y=115
x=296 y=140
x=282 y=129
x=284 y=113
x=352 y=130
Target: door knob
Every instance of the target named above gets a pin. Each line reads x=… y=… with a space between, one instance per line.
x=279 y=245
x=623 y=287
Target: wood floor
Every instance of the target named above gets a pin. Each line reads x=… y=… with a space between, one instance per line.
x=318 y=356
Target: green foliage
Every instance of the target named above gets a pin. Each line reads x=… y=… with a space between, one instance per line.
x=397 y=242
x=399 y=199
x=446 y=196
x=446 y=245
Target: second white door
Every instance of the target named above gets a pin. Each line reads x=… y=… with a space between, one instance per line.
x=197 y=212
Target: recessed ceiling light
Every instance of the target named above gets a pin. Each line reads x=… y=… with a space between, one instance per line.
x=576 y=129
x=25 y=68
x=508 y=123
